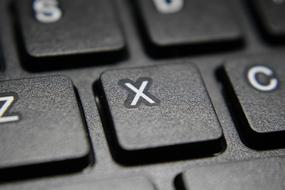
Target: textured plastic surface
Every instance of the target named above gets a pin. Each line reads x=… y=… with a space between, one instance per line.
x=137 y=183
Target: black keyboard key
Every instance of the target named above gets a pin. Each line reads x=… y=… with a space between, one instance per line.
x=271 y=14
x=160 y=113
x=133 y=183
x=52 y=28
x=183 y=22
x=257 y=86
x=41 y=129
x=262 y=174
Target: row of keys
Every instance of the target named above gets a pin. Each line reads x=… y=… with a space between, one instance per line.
x=262 y=174
x=52 y=28
x=153 y=114
x=156 y=107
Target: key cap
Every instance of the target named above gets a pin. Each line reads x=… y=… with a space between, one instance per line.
x=182 y=22
x=160 y=113
x=137 y=183
x=271 y=14
x=262 y=174
x=41 y=129
x=55 y=28
x=257 y=90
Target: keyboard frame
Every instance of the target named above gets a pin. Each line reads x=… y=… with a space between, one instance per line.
x=103 y=166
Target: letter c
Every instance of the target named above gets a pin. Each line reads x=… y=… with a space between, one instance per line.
x=252 y=78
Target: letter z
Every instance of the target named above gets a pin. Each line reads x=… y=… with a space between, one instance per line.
x=5 y=104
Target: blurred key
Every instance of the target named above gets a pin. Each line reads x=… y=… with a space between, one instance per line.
x=184 y=22
x=55 y=28
x=271 y=14
x=262 y=174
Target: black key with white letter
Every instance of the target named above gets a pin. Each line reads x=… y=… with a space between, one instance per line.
x=160 y=113
x=59 y=27
x=257 y=88
x=41 y=129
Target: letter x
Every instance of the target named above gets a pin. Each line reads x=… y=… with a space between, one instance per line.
x=138 y=92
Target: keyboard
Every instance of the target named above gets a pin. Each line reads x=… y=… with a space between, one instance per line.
x=142 y=94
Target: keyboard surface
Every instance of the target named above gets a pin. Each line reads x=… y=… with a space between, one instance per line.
x=142 y=94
